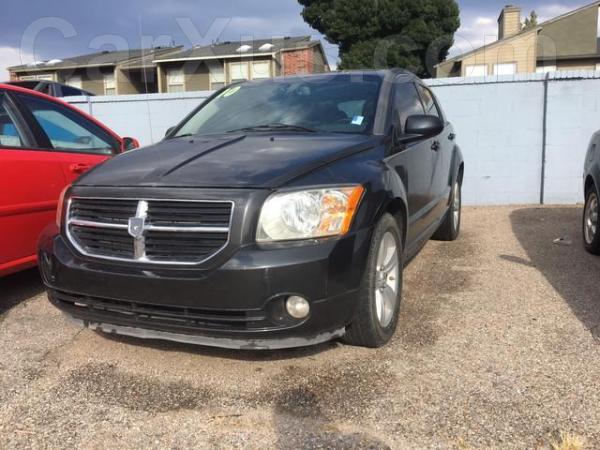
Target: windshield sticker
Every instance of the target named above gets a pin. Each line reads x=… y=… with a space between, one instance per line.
x=229 y=92
x=358 y=120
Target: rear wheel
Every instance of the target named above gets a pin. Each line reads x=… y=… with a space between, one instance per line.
x=591 y=231
x=450 y=227
x=381 y=288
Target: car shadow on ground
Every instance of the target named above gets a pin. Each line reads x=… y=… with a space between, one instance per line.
x=574 y=273
x=19 y=287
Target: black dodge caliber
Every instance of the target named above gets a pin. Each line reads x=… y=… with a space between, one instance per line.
x=279 y=213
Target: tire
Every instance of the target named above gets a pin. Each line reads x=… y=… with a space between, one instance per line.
x=377 y=314
x=450 y=227
x=591 y=223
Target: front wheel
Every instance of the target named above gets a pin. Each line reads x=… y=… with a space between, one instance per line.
x=381 y=288
x=591 y=231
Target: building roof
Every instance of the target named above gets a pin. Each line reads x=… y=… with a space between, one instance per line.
x=241 y=48
x=103 y=58
x=148 y=59
x=523 y=32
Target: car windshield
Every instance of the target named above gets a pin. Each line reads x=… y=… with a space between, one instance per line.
x=343 y=104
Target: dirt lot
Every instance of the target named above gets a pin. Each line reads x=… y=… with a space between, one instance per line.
x=499 y=346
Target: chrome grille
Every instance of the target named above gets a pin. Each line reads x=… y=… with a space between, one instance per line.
x=149 y=231
x=189 y=214
x=104 y=241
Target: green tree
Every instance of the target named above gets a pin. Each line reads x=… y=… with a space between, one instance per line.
x=374 y=34
x=531 y=21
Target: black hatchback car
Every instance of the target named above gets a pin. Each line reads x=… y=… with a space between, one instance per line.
x=591 y=234
x=279 y=213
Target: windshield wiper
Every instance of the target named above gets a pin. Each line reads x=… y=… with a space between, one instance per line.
x=276 y=127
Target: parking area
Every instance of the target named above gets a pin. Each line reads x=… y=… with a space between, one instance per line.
x=498 y=346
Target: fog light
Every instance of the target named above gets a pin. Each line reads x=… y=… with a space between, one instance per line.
x=297 y=307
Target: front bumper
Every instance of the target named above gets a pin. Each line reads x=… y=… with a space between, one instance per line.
x=239 y=304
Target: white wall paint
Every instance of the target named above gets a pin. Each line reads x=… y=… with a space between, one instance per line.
x=499 y=124
x=144 y=117
x=499 y=129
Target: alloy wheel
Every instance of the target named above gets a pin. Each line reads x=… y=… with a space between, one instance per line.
x=387 y=279
x=591 y=219
x=456 y=205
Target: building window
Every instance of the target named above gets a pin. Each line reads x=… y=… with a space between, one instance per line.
x=546 y=69
x=110 y=86
x=217 y=76
x=175 y=80
x=476 y=71
x=45 y=77
x=74 y=81
x=261 y=69
x=238 y=71
x=505 y=69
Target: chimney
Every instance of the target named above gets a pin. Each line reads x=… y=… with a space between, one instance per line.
x=509 y=22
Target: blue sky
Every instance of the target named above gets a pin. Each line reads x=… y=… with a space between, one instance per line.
x=35 y=30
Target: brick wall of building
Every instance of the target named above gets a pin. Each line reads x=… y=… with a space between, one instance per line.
x=298 y=62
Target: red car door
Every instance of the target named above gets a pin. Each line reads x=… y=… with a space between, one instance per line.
x=31 y=180
x=45 y=145
x=78 y=142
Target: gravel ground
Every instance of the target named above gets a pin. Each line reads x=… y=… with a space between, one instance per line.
x=498 y=347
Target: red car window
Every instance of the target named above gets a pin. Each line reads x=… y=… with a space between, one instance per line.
x=9 y=134
x=67 y=131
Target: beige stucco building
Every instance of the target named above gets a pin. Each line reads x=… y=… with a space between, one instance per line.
x=174 y=69
x=568 y=42
x=211 y=67
x=101 y=73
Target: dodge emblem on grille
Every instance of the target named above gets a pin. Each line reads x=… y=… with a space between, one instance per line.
x=136 y=227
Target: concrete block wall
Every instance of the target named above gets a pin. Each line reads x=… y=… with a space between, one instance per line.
x=499 y=123
x=573 y=116
x=499 y=129
x=145 y=117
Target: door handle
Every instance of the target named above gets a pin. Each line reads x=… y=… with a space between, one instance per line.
x=435 y=146
x=451 y=136
x=79 y=168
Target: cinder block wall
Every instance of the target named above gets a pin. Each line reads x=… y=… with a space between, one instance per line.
x=144 y=117
x=499 y=123
x=500 y=127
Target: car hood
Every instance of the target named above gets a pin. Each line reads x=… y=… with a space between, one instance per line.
x=237 y=161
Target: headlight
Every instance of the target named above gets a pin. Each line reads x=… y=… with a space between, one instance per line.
x=309 y=214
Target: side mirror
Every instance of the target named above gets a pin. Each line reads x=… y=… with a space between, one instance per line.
x=129 y=143
x=169 y=131
x=424 y=126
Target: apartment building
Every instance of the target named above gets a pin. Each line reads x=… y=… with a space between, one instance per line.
x=214 y=66
x=567 y=42
x=102 y=73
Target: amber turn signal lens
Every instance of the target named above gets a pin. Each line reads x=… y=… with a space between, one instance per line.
x=353 y=202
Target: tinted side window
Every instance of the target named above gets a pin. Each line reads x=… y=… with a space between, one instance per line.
x=44 y=88
x=9 y=134
x=68 y=91
x=406 y=102
x=68 y=131
x=429 y=102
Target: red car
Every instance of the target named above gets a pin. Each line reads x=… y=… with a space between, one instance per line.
x=45 y=144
